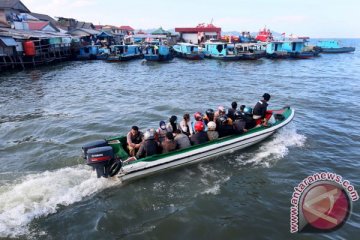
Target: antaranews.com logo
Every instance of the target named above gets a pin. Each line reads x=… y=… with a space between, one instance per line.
x=321 y=203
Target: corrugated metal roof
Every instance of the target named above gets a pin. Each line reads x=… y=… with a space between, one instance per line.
x=8 y=41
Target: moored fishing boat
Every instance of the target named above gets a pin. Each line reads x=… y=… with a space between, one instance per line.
x=332 y=46
x=92 y=52
x=109 y=158
x=249 y=51
x=124 y=53
x=220 y=50
x=275 y=50
x=158 y=52
x=188 y=51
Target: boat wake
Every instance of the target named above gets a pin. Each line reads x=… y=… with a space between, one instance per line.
x=212 y=179
x=273 y=150
x=41 y=194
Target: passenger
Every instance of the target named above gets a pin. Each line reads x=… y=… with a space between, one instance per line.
x=242 y=108
x=248 y=117
x=209 y=116
x=232 y=110
x=224 y=126
x=149 y=146
x=200 y=136
x=212 y=133
x=172 y=125
x=260 y=109
x=185 y=125
x=169 y=144
x=181 y=140
x=161 y=131
x=239 y=123
x=220 y=112
x=198 y=117
x=134 y=138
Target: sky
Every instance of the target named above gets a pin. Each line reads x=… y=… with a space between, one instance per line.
x=313 y=18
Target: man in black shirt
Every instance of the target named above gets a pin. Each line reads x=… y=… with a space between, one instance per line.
x=260 y=109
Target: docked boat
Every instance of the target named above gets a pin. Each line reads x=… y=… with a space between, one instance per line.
x=124 y=53
x=294 y=48
x=220 y=51
x=264 y=35
x=249 y=51
x=158 y=52
x=109 y=157
x=275 y=50
x=92 y=52
x=188 y=51
x=299 y=49
x=331 y=46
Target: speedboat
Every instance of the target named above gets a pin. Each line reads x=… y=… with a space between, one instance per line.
x=110 y=159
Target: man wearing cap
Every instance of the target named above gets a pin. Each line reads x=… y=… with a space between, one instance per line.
x=260 y=109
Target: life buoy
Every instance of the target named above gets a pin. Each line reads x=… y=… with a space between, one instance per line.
x=115 y=167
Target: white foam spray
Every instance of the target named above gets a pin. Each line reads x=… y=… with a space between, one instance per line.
x=41 y=194
x=270 y=152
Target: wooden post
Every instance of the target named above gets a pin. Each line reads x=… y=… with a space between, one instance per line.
x=21 y=62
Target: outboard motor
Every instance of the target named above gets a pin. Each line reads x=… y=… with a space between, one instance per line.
x=101 y=157
x=95 y=144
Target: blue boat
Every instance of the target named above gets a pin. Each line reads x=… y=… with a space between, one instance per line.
x=158 y=52
x=295 y=48
x=92 y=52
x=276 y=50
x=250 y=51
x=188 y=51
x=299 y=49
x=220 y=50
x=332 y=46
x=121 y=53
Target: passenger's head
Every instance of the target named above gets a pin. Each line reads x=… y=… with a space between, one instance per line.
x=149 y=134
x=199 y=126
x=186 y=117
x=162 y=125
x=266 y=96
x=234 y=105
x=210 y=113
x=177 y=131
x=242 y=108
x=169 y=136
x=134 y=130
x=198 y=116
x=211 y=126
x=221 y=109
x=173 y=119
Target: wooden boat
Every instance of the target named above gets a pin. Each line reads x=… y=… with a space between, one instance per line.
x=158 y=52
x=275 y=50
x=92 y=52
x=108 y=157
x=249 y=51
x=220 y=51
x=332 y=46
x=294 y=48
x=124 y=53
x=188 y=51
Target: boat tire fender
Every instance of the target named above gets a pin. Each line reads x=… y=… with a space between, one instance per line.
x=115 y=167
